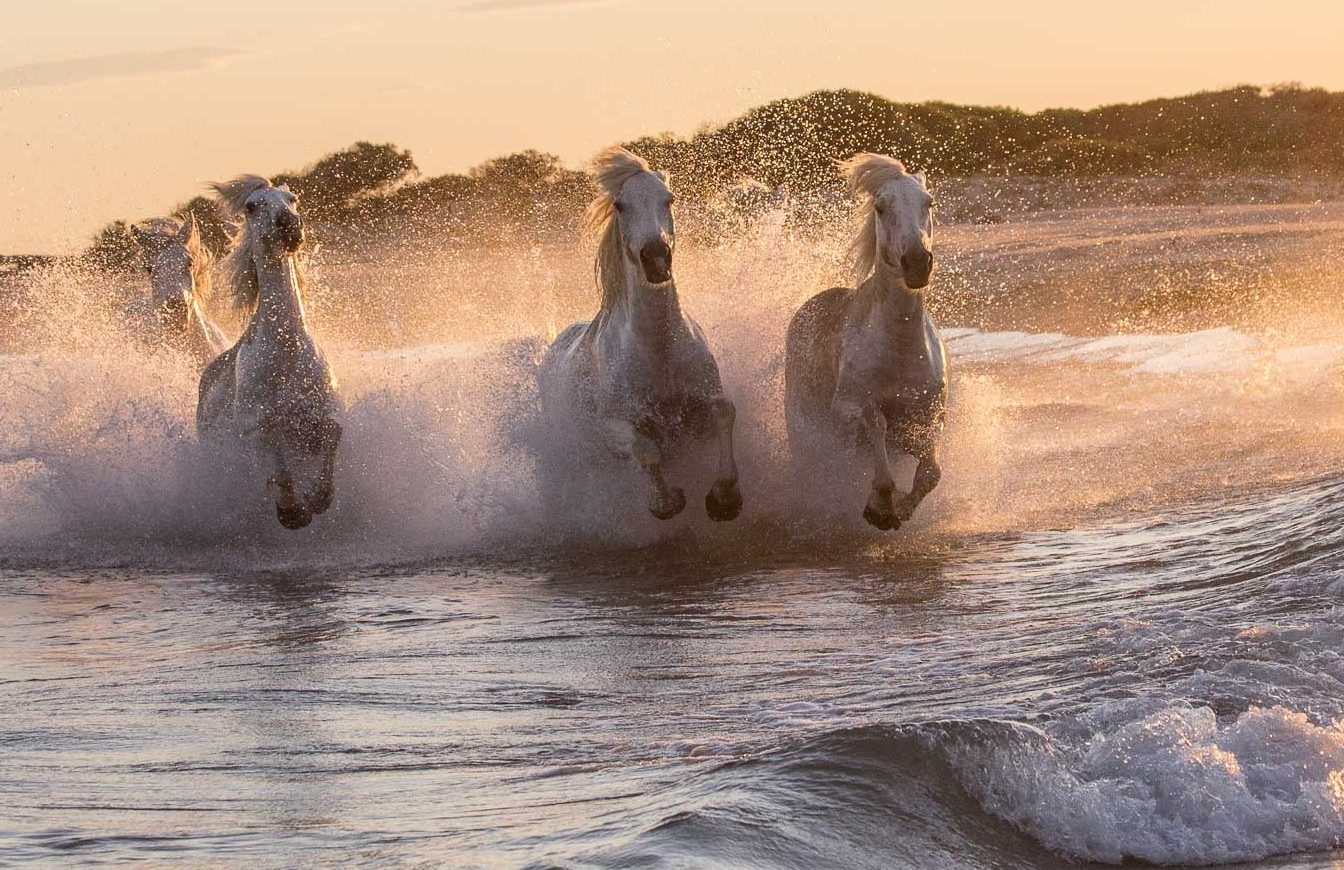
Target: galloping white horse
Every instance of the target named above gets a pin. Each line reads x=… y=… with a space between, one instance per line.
x=179 y=275
x=639 y=378
x=869 y=362
x=273 y=389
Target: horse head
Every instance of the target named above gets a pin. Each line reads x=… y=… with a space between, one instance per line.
x=896 y=229
x=176 y=260
x=634 y=210
x=269 y=213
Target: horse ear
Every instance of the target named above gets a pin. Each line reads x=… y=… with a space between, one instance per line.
x=284 y=187
x=920 y=177
x=667 y=179
x=184 y=232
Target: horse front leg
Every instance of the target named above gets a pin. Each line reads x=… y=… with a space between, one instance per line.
x=927 y=475
x=723 y=502
x=290 y=510
x=880 y=511
x=665 y=501
x=329 y=438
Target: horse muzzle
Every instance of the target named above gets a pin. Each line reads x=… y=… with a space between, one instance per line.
x=656 y=260
x=916 y=268
x=289 y=229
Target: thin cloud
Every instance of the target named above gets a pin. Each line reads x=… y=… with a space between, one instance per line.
x=55 y=73
x=521 y=5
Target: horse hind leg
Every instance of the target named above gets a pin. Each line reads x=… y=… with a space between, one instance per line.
x=329 y=438
x=723 y=502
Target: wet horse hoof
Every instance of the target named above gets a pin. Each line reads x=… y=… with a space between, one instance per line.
x=321 y=501
x=878 y=520
x=724 y=501
x=293 y=516
x=881 y=513
x=668 y=507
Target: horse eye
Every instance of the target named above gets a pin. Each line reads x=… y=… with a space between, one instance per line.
x=251 y=207
x=880 y=208
x=620 y=206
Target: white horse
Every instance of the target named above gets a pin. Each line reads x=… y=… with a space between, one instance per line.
x=179 y=276
x=869 y=362
x=639 y=378
x=273 y=389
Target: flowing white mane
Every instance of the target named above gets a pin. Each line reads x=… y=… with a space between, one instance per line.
x=157 y=233
x=866 y=174
x=238 y=266
x=613 y=167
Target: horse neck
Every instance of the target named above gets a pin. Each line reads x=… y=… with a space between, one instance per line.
x=894 y=305
x=650 y=315
x=279 y=305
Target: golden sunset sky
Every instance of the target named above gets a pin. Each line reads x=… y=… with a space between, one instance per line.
x=123 y=109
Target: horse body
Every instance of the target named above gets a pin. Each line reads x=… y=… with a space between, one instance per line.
x=179 y=271
x=274 y=387
x=867 y=366
x=640 y=378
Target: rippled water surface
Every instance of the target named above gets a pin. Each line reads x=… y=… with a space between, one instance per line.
x=1165 y=689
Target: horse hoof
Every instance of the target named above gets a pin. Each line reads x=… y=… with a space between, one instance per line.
x=723 y=502
x=884 y=520
x=321 y=501
x=293 y=517
x=881 y=512
x=669 y=507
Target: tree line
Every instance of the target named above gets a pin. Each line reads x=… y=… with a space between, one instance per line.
x=373 y=191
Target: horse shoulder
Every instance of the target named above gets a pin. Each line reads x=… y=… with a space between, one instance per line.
x=812 y=352
x=697 y=357
x=562 y=371
x=215 y=396
x=820 y=313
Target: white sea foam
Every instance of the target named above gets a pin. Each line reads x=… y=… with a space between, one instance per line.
x=1172 y=786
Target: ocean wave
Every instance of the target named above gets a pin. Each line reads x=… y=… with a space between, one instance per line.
x=1176 y=786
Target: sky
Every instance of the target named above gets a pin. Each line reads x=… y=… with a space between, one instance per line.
x=124 y=110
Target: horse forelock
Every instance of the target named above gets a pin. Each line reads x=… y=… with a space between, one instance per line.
x=232 y=195
x=159 y=230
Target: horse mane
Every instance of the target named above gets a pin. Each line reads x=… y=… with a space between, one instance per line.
x=612 y=168
x=866 y=173
x=158 y=232
x=238 y=268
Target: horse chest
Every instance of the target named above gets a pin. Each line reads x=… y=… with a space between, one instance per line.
x=279 y=372
x=880 y=365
